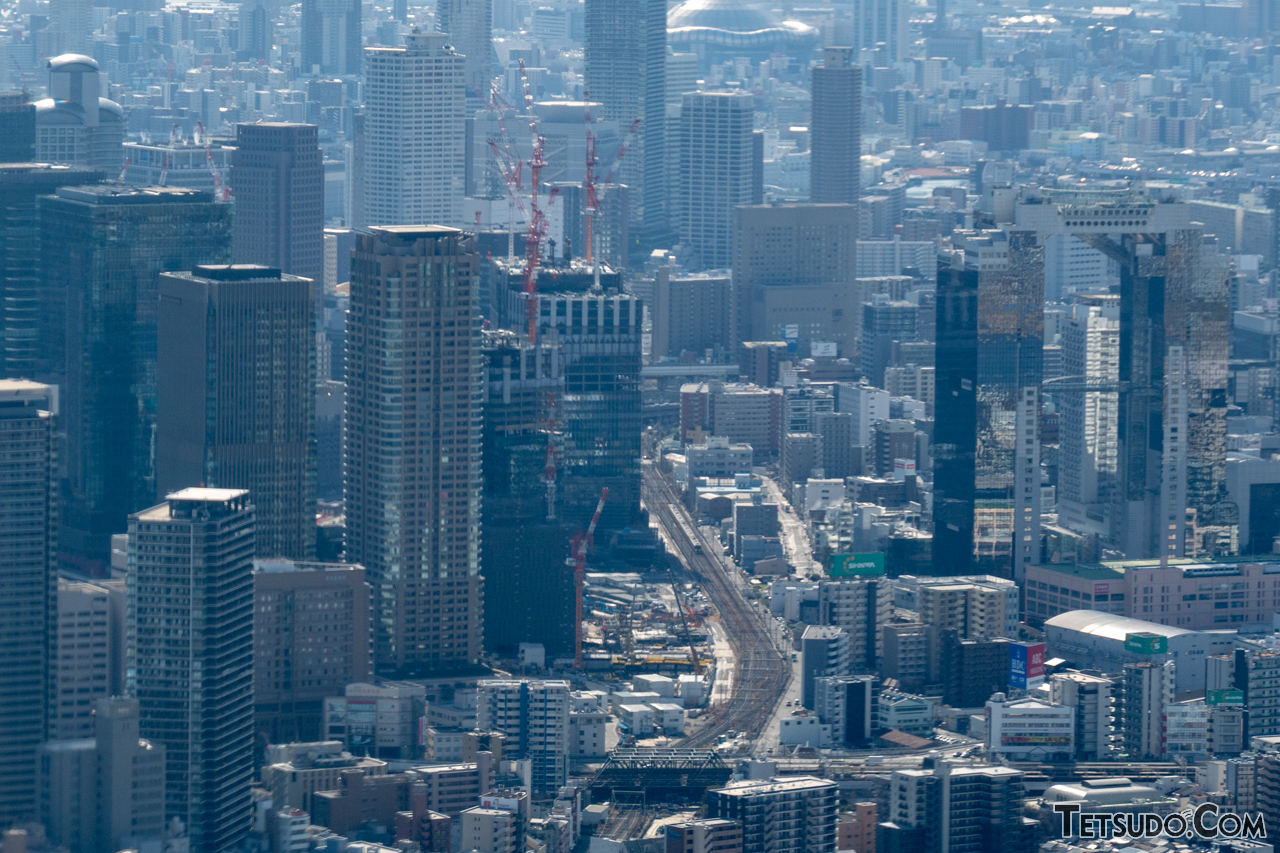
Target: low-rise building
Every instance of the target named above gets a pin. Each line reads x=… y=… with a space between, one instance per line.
x=1029 y=729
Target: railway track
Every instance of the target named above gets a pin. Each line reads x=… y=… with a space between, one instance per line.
x=761 y=675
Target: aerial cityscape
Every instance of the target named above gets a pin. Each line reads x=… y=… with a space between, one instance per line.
x=639 y=426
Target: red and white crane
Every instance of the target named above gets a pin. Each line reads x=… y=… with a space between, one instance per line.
x=578 y=549
x=220 y=191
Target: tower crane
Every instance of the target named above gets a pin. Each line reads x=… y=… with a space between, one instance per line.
x=578 y=548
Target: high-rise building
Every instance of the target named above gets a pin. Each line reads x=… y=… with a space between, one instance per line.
x=525 y=542
x=534 y=715
x=795 y=814
x=846 y=703
x=83 y=667
x=691 y=313
x=109 y=245
x=598 y=414
x=944 y=808
x=625 y=51
x=1146 y=688
x=17 y=128
x=277 y=174
x=77 y=125
x=824 y=652
x=1093 y=698
x=795 y=274
x=413 y=432
x=1089 y=425
x=469 y=25
x=414 y=132
x=28 y=608
x=34 y=314
x=1173 y=365
x=882 y=24
x=716 y=155
x=191 y=564
x=971 y=670
x=311 y=638
x=862 y=608
x=986 y=506
x=105 y=791
x=235 y=400
x=331 y=37
x=835 y=159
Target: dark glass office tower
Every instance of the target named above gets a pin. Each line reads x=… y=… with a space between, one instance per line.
x=29 y=583
x=33 y=310
x=235 y=402
x=986 y=506
x=17 y=128
x=598 y=415
x=526 y=541
x=110 y=244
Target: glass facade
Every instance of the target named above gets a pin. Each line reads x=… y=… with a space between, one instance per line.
x=108 y=245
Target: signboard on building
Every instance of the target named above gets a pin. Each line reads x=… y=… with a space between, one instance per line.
x=1145 y=643
x=1026 y=665
x=1101 y=588
x=1223 y=697
x=822 y=349
x=856 y=565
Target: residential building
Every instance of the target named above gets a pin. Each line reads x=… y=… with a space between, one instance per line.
x=311 y=638
x=1094 y=699
x=106 y=791
x=796 y=265
x=847 y=704
x=858 y=832
x=278 y=175
x=882 y=26
x=925 y=810
x=235 y=395
x=972 y=670
x=1147 y=689
x=110 y=244
x=191 y=561
x=413 y=132
x=424 y=567
x=861 y=607
x=796 y=814
x=470 y=29
x=835 y=161
x=28 y=567
x=824 y=651
x=490 y=830
x=534 y=715
x=906 y=653
x=716 y=174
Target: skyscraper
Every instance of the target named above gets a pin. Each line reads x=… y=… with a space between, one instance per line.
x=191 y=565
x=235 y=395
x=534 y=715
x=795 y=265
x=77 y=125
x=625 y=54
x=469 y=24
x=881 y=22
x=835 y=159
x=716 y=156
x=414 y=132
x=109 y=245
x=277 y=173
x=413 y=455
x=986 y=507
x=34 y=314
x=28 y=608
x=331 y=37
x=795 y=814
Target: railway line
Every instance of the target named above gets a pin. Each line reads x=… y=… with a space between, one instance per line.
x=761 y=675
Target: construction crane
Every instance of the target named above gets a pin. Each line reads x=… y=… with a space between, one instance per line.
x=595 y=192
x=694 y=658
x=578 y=548
x=220 y=192
x=538 y=221
x=164 y=170
x=127 y=163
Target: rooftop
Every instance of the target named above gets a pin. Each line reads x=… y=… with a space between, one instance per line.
x=1109 y=625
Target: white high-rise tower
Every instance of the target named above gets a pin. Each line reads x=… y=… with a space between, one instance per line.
x=414 y=132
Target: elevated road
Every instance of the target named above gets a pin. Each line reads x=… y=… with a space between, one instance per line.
x=761 y=675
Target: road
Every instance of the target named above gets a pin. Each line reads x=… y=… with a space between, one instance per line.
x=794 y=533
x=761 y=678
